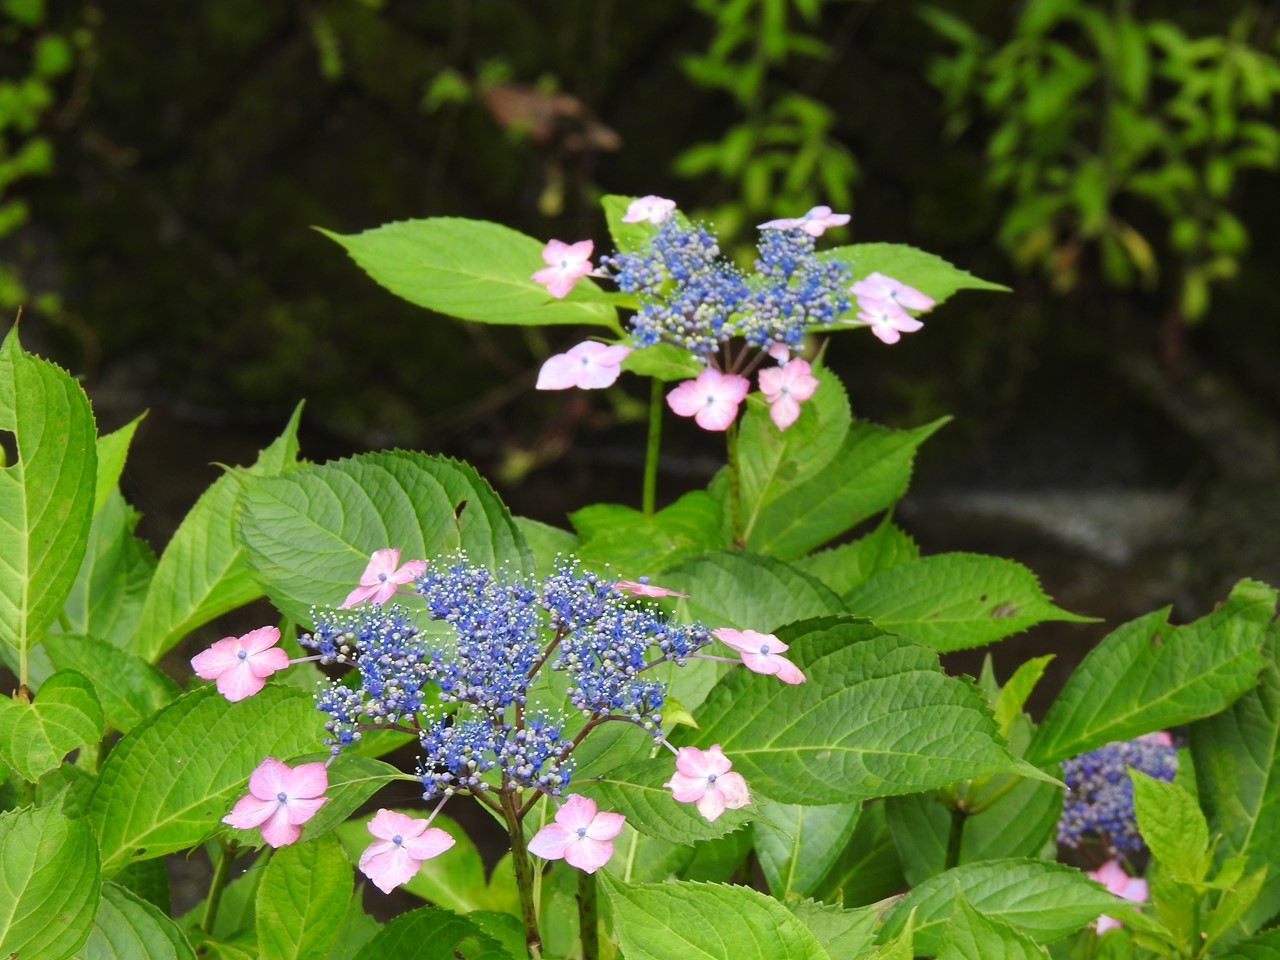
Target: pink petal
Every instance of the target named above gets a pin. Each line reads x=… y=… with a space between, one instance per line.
x=382 y=563
x=702 y=763
x=383 y=592
x=784 y=412
x=749 y=641
x=558 y=373
x=686 y=788
x=779 y=352
x=886 y=334
x=222 y=656
x=388 y=865
x=1111 y=875
x=646 y=589
x=650 y=208
x=588 y=855
x=409 y=571
x=685 y=400
x=717 y=416
x=432 y=843
x=358 y=595
x=249 y=812
x=386 y=824
x=278 y=831
x=268 y=662
x=605 y=825
x=300 y=811
x=576 y=812
x=306 y=781
x=733 y=787
x=240 y=682
x=256 y=641
x=550 y=842
x=269 y=779
x=711 y=804
x=1106 y=923
x=788 y=672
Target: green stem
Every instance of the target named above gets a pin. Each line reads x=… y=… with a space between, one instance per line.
x=221 y=873
x=735 y=486
x=651 y=452
x=588 y=922
x=954 y=836
x=524 y=875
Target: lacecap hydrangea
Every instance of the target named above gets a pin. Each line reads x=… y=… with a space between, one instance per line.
x=1099 y=799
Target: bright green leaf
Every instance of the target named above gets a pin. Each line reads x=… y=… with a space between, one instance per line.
x=971 y=936
x=34 y=737
x=929 y=274
x=636 y=545
x=744 y=591
x=1170 y=821
x=867 y=869
x=113 y=449
x=844 y=567
x=431 y=934
x=797 y=845
x=847 y=934
x=128 y=928
x=302 y=899
x=129 y=688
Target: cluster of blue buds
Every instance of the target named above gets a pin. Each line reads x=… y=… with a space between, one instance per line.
x=1099 y=800
x=470 y=688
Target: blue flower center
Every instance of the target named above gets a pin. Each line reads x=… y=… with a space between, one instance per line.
x=582 y=831
x=282 y=796
x=242 y=654
x=397 y=839
x=764 y=648
x=711 y=778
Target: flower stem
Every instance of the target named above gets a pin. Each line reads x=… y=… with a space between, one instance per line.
x=221 y=872
x=735 y=486
x=588 y=922
x=954 y=837
x=651 y=452
x=524 y=875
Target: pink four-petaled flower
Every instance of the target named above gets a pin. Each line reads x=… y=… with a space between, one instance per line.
x=889 y=322
x=703 y=778
x=567 y=263
x=643 y=588
x=877 y=288
x=280 y=800
x=382 y=576
x=817 y=221
x=403 y=844
x=760 y=653
x=650 y=208
x=241 y=665
x=712 y=399
x=1112 y=876
x=785 y=388
x=588 y=366
x=580 y=835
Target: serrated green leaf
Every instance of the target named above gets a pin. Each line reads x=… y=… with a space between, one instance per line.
x=203 y=571
x=1265 y=946
x=797 y=845
x=353 y=779
x=748 y=592
x=167 y=784
x=640 y=858
x=1148 y=675
x=128 y=687
x=148 y=880
x=867 y=474
x=46 y=496
x=971 y=936
x=471 y=269
x=1171 y=824
x=357 y=929
x=1234 y=904
x=301 y=900
x=309 y=532
x=929 y=274
x=34 y=737
x=637 y=545
x=877 y=717
x=1044 y=900
x=847 y=934
x=667 y=921
x=665 y=361
x=431 y=934
x=113 y=450
x=844 y=567
x=867 y=869
x=546 y=542
x=1014 y=693
x=128 y=927
x=951 y=601
x=50 y=875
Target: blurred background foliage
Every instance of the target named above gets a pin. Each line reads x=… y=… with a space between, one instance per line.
x=1113 y=162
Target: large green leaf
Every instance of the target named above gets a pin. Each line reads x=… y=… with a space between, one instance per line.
x=971 y=936
x=128 y=928
x=302 y=900
x=34 y=737
x=847 y=934
x=687 y=921
x=867 y=474
x=1265 y=946
x=664 y=361
x=844 y=567
x=309 y=532
x=50 y=877
x=1237 y=763
x=46 y=497
x=353 y=779
x=749 y=592
x=636 y=545
x=546 y=542
x=129 y=688
x=167 y=784
x=867 y=869
x=431 y=934
x=929 y=274
x=1172 y=826
x=1045 y=900
x=877 y=717
x=797 y=845
x=950 y=601
x=1148 y=675
x=203 y=571
x=471 y=269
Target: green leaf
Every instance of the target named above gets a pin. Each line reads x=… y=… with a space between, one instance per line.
x=686 y=921
x=744 y=591
x=353 y=779
x=665 y=361
x=546 y=542
x=50 y=876
x=929 y=274
x=128 y=687
x=867 y=869
x=46 y=497
x=1148 y=675
x=877 y=717
x=34 y=737
x=148 y=880
x=951 y=601
x=309 y=532
x=797 y=845
x=844 y=567
x=637 y=545
x=1045 y=900
x=128 y=927
x=1014 y=693
x=1170 y=821
x=867 y=474
x=302 y=899
x=471 y=269
x=627 y=237
x=971 y=936
x=1237 y=764
x=204 y=571
x=1265 y=946
x=848 y=934
x=431 y=934
x=113 y=449
x=357 y=929
x=167 y=784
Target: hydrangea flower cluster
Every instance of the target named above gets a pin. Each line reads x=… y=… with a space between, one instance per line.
x=1099 y=799
x=692 y=297
x=470 y=690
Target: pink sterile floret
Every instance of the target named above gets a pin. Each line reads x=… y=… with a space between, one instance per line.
x=817 y=221
x=760 y=652
x=241 y=665
x=703 y=778
x=382 y=576
x=403 y=843
x=280 y=800
x=889 y=321
x=567 y=264
x=786 y=388
x=712 y=399
x=1112 y=876
x=650 y=208
x=876 y=289
x=588 y=366
x=580 y=835
x=643 y=588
